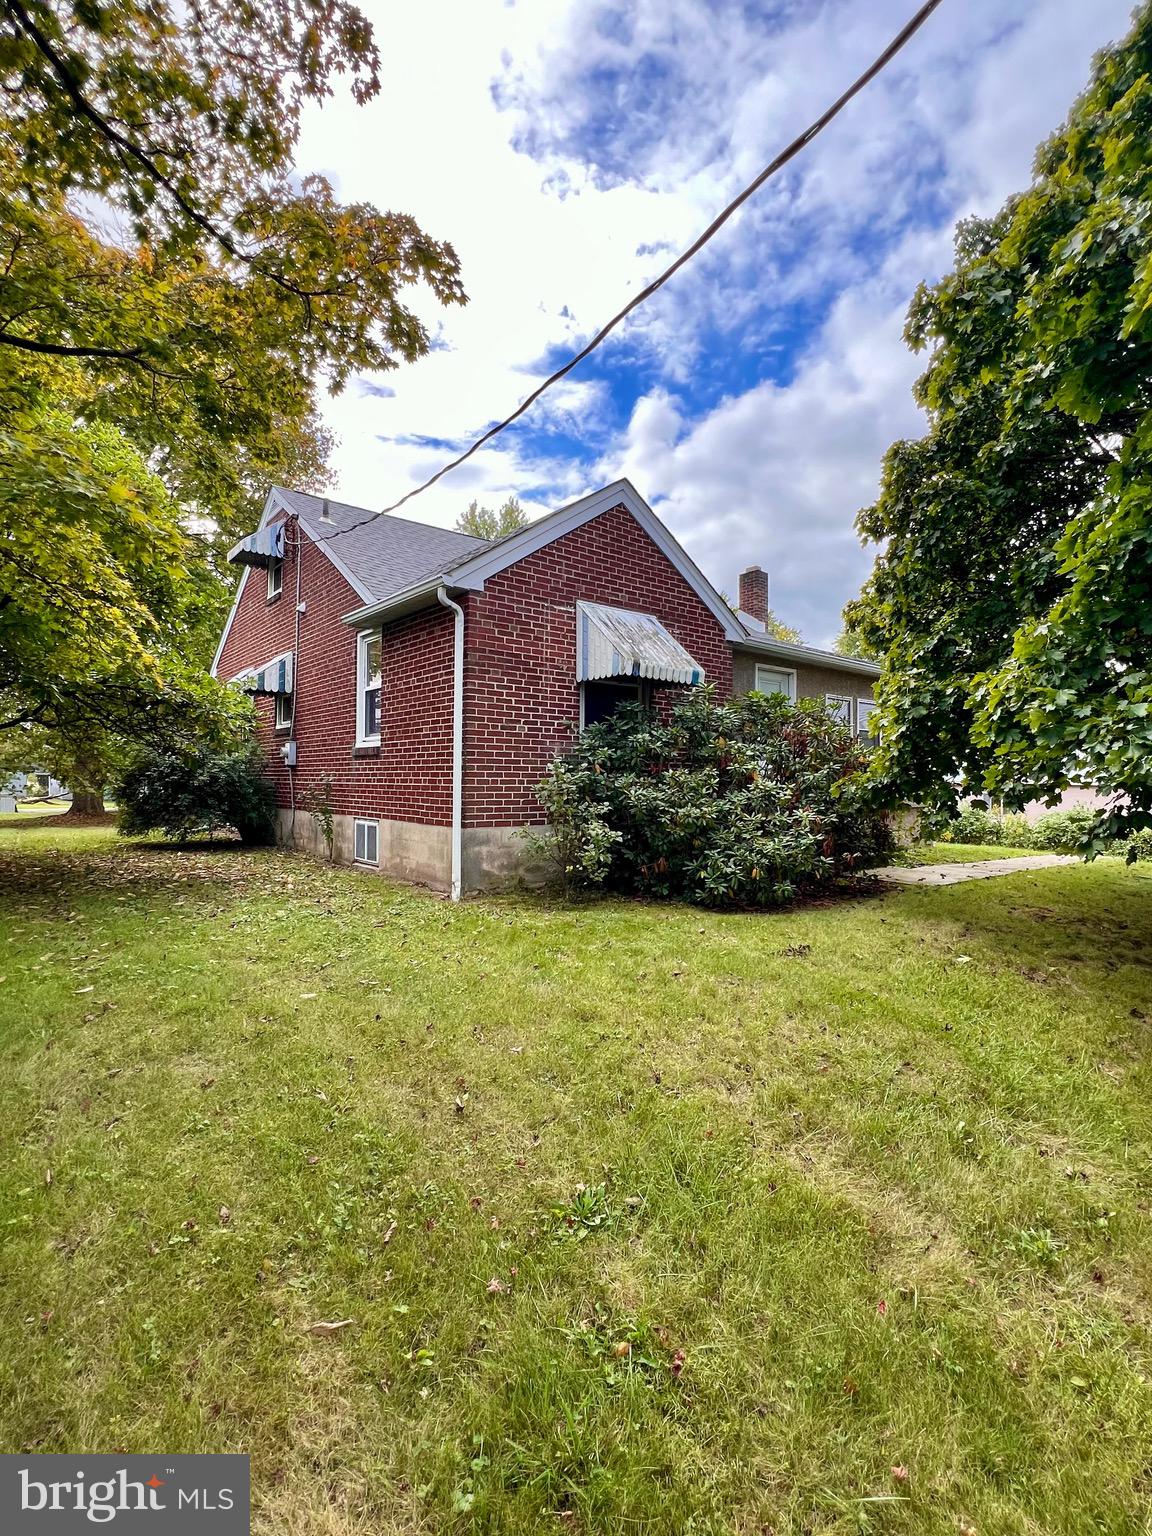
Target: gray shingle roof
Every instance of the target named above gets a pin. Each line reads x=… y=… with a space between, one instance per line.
x=387 y=555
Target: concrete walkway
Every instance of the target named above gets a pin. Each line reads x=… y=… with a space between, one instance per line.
x=986 y=869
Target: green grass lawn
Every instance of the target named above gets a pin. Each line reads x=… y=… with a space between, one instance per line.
x=642 y=1219
x=32 y=808
x=966 y=853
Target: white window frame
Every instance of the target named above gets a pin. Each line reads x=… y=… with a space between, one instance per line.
x=364 y=826
x=363 y=683
x=788 y=672
x=615 y=682
x=848 y=718
x=861 y=725
x=283 y=712
x=275 y=579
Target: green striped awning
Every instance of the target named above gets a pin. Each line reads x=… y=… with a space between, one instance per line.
x=260 y=548
x=274 y=676
x=616 y=642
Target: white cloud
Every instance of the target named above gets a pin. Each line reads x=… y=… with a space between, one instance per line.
x=637 y=121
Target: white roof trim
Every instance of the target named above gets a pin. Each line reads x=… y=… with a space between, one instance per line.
x=325 y=543
x=554 y=525
x=783 y=650
x=228 y=621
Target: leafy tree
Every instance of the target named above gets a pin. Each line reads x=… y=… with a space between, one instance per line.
x=105 y=611
x=1013 y=598
x=850 y=642
x=483 y=523
x=170 y=295
x=781 y=631
x=228 y=285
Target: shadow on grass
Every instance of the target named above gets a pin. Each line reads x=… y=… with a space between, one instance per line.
x=58 y=873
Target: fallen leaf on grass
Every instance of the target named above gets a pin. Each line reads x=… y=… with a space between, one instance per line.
x=325 y=1330
x=389 y=1235
x=225 y=1215
x=900 y=1474
x=307 y=997
x=81 y=990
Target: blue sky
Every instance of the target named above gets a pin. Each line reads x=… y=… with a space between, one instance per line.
x=568 y=147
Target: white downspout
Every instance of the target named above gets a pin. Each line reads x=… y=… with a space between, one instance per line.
x=457 y=744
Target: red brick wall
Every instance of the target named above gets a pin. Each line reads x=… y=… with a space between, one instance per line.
x=523 y=701
x=409 y=777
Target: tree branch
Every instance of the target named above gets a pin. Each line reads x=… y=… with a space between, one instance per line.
x=127 y=148
x=58 y=349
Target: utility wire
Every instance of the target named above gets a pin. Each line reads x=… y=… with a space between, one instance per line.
x=801 y=142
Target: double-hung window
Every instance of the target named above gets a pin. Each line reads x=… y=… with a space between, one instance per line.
x=776 y=680
x=865 y=708
x=368 y=691
x=841 y=706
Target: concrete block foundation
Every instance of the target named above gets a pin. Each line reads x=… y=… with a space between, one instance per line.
x=494 y=858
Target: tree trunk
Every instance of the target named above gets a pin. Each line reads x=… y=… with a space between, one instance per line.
x=86 y=781
x=86 y=802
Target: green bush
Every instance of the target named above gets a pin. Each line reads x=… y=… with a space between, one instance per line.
x=747 y=803
x=1064 y=831
x=974 y=825
x=1139 y=845
x=193 y=794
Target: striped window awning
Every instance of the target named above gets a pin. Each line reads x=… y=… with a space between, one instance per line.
x=615 y=642
x=259 y=548
x=274 y=676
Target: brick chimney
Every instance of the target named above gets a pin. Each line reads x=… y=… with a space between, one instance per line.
x=754 y=592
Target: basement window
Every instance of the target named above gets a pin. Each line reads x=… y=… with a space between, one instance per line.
x=366 y=842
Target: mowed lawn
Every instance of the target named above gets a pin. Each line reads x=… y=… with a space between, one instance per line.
x=968 y=853
x=641 y=1219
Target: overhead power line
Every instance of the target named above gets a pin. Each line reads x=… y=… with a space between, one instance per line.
x=800 y=142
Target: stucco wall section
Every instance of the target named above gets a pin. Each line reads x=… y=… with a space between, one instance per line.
x=812 y=682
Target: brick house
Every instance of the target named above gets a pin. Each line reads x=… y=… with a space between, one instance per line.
x=421 y=680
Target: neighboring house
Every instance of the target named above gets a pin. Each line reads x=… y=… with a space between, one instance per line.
x=32 y=784
x=422 y=679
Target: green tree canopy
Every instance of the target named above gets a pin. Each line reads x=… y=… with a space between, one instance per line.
x=483 y=523
x=105 y=609
x=172 y=296
x=1013 y=596
x=227 y=286
x=781 y=631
